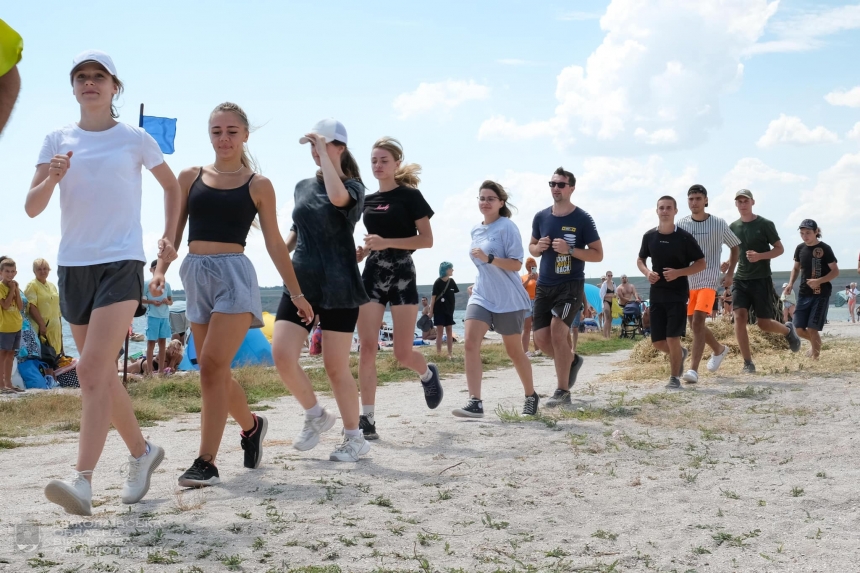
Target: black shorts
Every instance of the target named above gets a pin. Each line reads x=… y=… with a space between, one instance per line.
x=755 y=294
x=443 y=318
x=389 y=278
x=560 y=301
x=668 y=320
x=332 y=319
x=84 y=289
x=811 y=312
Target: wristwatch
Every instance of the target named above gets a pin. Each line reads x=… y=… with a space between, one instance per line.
x=490 y=259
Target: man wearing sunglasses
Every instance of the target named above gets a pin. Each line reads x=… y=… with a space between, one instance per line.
x=564 y=237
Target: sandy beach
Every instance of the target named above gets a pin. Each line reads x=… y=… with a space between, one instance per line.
x=742 y=473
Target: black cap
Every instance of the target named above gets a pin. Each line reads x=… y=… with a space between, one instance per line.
x=808 y=224
x=697 y=189
x=154 y=264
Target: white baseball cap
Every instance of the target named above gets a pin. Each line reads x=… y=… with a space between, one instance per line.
x=331 y=129
x=95 y=56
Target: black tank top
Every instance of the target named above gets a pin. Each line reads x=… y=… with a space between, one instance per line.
x=220 y=215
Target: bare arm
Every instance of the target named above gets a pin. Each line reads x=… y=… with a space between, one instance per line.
x=697 y=267
x=423 y=240
x=593 y=253
x=432 y=305
x=186 y=179
x=776 y=251
x=829 y=277
x=5 y=303
x=37 y=318
x=10 y=85
x=43 y=184
x=538 y=246
x=643 y=268
x=19 y=302
x=172 y=210
x=793 y=277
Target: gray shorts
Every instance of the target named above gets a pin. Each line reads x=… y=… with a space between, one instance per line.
x=504 y=323
x=10 y=341
x=225 y=283
x=84 y=289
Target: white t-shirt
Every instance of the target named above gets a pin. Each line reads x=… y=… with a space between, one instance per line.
x=100 y=196
x=496 y=289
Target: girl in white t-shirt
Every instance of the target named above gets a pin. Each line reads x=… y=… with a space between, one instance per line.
x=97 y=164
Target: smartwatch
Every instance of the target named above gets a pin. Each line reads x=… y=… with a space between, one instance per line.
x=490 y=259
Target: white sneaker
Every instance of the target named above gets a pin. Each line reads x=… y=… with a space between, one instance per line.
x=138 y=474
x=716 y=359
x=75 y=494
x=309 y=437
x=350 y=450
x=691 y=377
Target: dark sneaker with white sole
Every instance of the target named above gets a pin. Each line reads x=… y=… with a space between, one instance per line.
x=674 y=383
x=559 y=398
x=793 y=338
x=253 y=442
x=749 y=367
x=433 y=388
x=683 y=359
x=474 y=408
x=200 y=474
x=530 y=408
x=574 y=371
x=367 y=428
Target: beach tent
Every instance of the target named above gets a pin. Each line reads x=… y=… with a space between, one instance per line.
x=255 y=350
x=592 y=295
x=268 y=325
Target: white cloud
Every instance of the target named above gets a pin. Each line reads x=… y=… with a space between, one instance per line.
x=772 y=188
x=657 y=77
x=804 y=31
x=499 y=127
x=855 y=132
x=444 y=95
x=790 y=129
x=850 y=98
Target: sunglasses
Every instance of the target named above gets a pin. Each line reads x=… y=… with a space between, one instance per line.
x=559 y=184
x=489 y=199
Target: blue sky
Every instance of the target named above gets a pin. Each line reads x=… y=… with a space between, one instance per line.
x=638 y=98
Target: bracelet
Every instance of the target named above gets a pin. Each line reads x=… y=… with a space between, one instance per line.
x=295 y=296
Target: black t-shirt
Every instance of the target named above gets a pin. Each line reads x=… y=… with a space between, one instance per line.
x=814 y=264
x=444 y=293
x=676 y=250
x=392 y=214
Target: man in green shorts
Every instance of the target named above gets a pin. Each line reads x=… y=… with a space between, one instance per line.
x=753 y=283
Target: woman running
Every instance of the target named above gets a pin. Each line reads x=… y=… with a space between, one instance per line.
x=97 y=163
x=327 y=207
x=498 y=298
x=442 y=307
x=397 y=219
x=221 y=202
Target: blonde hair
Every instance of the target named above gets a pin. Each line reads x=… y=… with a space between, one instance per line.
x=406 y=175
x=6 y=263
x=40 y=262
x=247 y=159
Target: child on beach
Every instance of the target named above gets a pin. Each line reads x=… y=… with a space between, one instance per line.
x=157 y=319
x=11 y=322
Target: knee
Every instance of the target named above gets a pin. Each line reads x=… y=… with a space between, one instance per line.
x=88 y=376
x=403 y=354
x=282 y=357
x=472 y=345
x=369 y=349
x=212 y=366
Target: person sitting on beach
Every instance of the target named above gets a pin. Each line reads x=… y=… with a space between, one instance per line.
x=174 y=351
x=788 y=302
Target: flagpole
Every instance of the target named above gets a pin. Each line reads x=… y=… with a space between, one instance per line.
x=141 y=116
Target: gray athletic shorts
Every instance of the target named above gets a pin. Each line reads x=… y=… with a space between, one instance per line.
x=504 y=323
x=225 y=283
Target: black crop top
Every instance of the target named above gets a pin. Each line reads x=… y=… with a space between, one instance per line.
x=220 y=215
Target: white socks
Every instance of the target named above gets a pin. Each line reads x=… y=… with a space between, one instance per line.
x=356 y=433
x=427 y=376
x=369 y=412
x=314 y=412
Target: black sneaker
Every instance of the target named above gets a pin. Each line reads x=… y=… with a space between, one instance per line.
x=684 y=354
x=474 y=408
x=253 y=443
x=558 y=398
x=200 y=474
x=368 y=429
x=793 y=338
x=674 y=383
x=530 y=408
x=574 y=370
x=749 y=367
x=433 y=388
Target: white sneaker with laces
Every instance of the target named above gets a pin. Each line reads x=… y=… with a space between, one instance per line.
x=691 y=377
x=75 y=494
x=716 y=359
x=309 y=437
x=138 y=474
x=350 y=449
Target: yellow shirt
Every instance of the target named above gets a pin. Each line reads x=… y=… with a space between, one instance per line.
x=10 y=319
x=46 y=298
x=11 y=46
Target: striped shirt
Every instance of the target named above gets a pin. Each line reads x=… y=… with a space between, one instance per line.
x=711 y=234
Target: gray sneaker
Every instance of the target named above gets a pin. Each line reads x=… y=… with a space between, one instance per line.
x=309 y=437
x=684 y=355
x=560 y=397
x=674 y=383
x=793 y=338
x=749 y=367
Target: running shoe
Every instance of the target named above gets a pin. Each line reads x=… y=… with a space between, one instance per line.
x=716 y=359
x=309 y=437
x=690 y=377
x=367 y=428
x=75 y=494
x=674 y=383
x=530 y=408
x=474 y=408
x=574 y=370
x=559 y=398
x=253 y=443
x=350 y=449
x=793 y=338
x=138 y=473
x=200 y=474
x=433 y=388
x=749 y=367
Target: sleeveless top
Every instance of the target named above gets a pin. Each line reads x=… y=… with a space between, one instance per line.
x=220 y=215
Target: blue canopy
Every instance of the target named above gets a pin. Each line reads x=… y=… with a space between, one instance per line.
x=254 y=350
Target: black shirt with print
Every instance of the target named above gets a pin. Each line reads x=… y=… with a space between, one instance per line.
x=444 y=293
x=392 y=214
x=814 y=264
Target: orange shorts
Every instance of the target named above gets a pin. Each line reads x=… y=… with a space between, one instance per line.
x=702 y=300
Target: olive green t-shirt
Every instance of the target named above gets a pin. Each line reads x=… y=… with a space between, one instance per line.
x=758 y=235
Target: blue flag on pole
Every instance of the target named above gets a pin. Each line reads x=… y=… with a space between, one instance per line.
x=162 y=130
